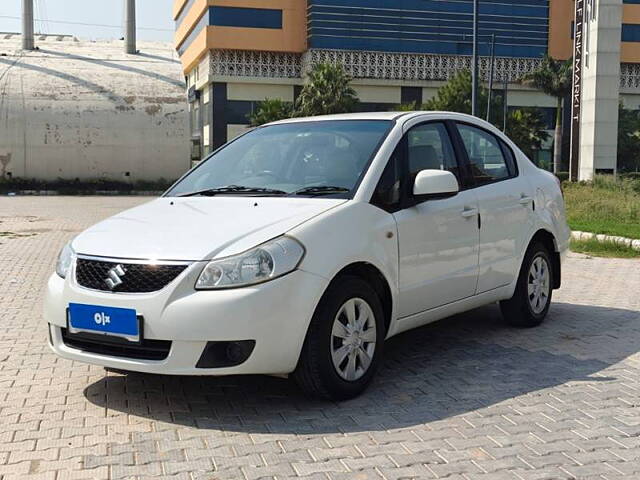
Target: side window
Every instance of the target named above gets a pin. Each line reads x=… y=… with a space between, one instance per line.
x=387 y=194
x=429 y=148
x=511 y=159
x=488 y=162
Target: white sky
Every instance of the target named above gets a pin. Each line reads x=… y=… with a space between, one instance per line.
x=106 y=17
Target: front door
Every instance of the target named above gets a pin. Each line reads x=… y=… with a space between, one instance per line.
x=437 y=238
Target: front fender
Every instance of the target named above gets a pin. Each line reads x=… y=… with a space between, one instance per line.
x=355 y=232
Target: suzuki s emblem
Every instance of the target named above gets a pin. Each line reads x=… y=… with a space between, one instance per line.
x=115 y=277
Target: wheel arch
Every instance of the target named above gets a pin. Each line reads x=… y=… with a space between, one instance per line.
x=374 y=277
x=550 y=242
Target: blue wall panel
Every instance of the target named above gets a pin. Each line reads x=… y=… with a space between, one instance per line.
x=630 y=32
x=429 y=26
x=246 y=17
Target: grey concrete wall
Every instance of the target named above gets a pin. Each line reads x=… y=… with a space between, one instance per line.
x=600 y=89
x=80 y=109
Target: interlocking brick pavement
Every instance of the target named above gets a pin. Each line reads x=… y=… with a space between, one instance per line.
x=467 y=398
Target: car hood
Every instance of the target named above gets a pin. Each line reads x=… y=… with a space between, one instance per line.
x=198 y=228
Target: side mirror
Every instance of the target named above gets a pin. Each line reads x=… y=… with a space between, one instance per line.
x=435 y=183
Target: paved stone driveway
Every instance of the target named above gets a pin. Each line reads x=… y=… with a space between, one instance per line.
x=466 y=398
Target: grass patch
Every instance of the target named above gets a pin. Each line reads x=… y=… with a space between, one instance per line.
x=596 y=248
x=606 y=205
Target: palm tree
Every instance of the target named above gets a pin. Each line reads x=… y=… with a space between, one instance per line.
x=270 y=110
x=326 y=91
x=555 y=78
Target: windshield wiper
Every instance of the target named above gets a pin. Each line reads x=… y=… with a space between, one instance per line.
x=233 y=189
x=320 y=190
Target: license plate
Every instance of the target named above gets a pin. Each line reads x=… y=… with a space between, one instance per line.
x=117 y=322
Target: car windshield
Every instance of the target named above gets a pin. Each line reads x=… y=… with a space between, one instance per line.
x=308 y=158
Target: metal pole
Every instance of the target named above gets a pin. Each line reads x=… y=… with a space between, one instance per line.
x=27 y=25
x=505 y=102
x=474 y=61
x=130 y=27
x=491 y=70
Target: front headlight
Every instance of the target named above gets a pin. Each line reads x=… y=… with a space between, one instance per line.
x=65 y=260
x=261 y=264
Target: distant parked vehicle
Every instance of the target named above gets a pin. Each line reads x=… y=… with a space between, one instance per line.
x=300 y=247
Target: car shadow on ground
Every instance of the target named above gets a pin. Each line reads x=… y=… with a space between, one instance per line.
x=458 y=365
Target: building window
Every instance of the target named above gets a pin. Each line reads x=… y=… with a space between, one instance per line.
x=246 y=17
x=426 y=26
x=630 y=33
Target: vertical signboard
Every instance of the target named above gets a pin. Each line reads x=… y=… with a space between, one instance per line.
x=576 y=93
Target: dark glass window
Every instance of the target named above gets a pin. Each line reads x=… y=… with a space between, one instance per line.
x=511 y=159
x=630 y=32
x=246 y=17
x=429 y=148
x=486 y=156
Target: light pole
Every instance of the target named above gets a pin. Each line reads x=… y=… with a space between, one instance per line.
x=130 y=27
x=491 y=70
x=505 y=103
x=27 y=25
x=474 y=61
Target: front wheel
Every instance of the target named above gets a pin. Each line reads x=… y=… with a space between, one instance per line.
x=531 y=301
x=344 y=343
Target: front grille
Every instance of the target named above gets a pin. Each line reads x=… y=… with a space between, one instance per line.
x=116 y=347
x=134 y=278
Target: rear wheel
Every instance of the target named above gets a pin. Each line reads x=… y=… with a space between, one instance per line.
x=532 y=298
x=343 y=347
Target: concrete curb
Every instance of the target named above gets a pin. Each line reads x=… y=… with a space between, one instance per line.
x=629 y=242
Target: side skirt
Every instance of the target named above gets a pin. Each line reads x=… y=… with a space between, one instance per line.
x=444 y=311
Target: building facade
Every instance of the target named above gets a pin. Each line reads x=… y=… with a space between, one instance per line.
x=236 y=53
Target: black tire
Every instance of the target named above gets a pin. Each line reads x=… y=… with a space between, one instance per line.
x=518 y=311
x=316 y=374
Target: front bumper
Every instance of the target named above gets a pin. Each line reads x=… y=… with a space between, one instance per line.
x=275 y=315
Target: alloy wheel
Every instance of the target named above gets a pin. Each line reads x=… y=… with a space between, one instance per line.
x=538 y=285
x=353 y=339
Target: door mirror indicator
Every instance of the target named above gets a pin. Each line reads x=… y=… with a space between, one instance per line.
x=435 y=183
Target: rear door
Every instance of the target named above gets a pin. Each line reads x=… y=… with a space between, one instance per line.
x=505 y=202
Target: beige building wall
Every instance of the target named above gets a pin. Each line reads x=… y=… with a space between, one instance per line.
x=85 y=110
x=259 y=91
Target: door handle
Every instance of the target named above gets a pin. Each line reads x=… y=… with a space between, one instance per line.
x=469 y=212
x=524 y=200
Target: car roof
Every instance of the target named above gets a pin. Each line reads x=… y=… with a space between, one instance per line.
x=389 y=116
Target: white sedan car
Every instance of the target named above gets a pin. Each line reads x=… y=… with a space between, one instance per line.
x=300 y=247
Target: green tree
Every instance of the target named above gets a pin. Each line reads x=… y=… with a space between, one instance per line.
x=270 y=110
x=407 y=107
x=455 y=95
x=554 y=78
x=628 y=140
x=327 y=90
x=526 y=128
